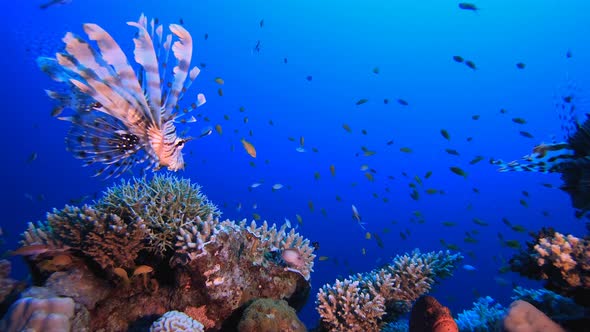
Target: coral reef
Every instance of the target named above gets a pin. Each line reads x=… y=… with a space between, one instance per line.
x=485 y=316
x=152 y=246
x=562 y=261
x=523 y=316
x=428 y=315
x=40 y=315
x=268 y=315
x=163 y=204
x=175 y=321
x=363 y=302
x=237 y=261
x=200 y=314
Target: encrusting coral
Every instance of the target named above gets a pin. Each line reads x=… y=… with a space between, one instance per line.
x=151 y=246
x=523 y=316
x=38 y=315
x=268 y=315
x=363 y=301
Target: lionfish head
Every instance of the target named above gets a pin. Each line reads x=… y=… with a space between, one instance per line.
x=176 y=161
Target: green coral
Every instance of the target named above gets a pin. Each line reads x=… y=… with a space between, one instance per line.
x=164 y=204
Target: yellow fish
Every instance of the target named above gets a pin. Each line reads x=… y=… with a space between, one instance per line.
x=249 y=148
x=142 y=269
x=333 y=170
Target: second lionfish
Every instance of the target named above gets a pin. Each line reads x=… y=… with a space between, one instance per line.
x=569 y=158
x=123 y=118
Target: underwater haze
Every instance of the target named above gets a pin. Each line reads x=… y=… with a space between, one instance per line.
x=398 y=108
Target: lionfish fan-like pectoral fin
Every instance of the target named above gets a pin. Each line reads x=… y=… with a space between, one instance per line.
x=102 y=140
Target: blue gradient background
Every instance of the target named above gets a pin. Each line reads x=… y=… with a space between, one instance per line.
x=338 y=43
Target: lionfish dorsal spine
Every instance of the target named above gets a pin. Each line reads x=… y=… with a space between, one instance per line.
x=182 y=50
x=114 y=56
x=145 y=55
x=102 y=83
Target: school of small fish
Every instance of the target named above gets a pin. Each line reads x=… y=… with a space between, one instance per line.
x=101 y=84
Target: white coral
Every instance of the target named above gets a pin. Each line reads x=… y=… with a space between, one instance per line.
x=176 y=321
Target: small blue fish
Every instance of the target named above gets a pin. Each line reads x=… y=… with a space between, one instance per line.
x=468 y=267
x=54 y=2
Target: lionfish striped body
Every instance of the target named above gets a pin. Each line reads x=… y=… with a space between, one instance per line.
x=123 y=118
x=571 y=158
x=558 y=157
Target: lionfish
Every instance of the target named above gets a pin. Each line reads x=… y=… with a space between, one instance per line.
x=122 y=118
x=570 y=158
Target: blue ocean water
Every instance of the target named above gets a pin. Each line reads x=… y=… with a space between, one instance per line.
x=316 y=61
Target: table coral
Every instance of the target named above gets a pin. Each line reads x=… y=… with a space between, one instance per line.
x=361 y=302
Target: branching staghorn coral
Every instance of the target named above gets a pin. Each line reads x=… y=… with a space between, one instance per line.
x=360 y=302
x=164 y=204
x=262 y=240
x=272 y=239
x=484 y=316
